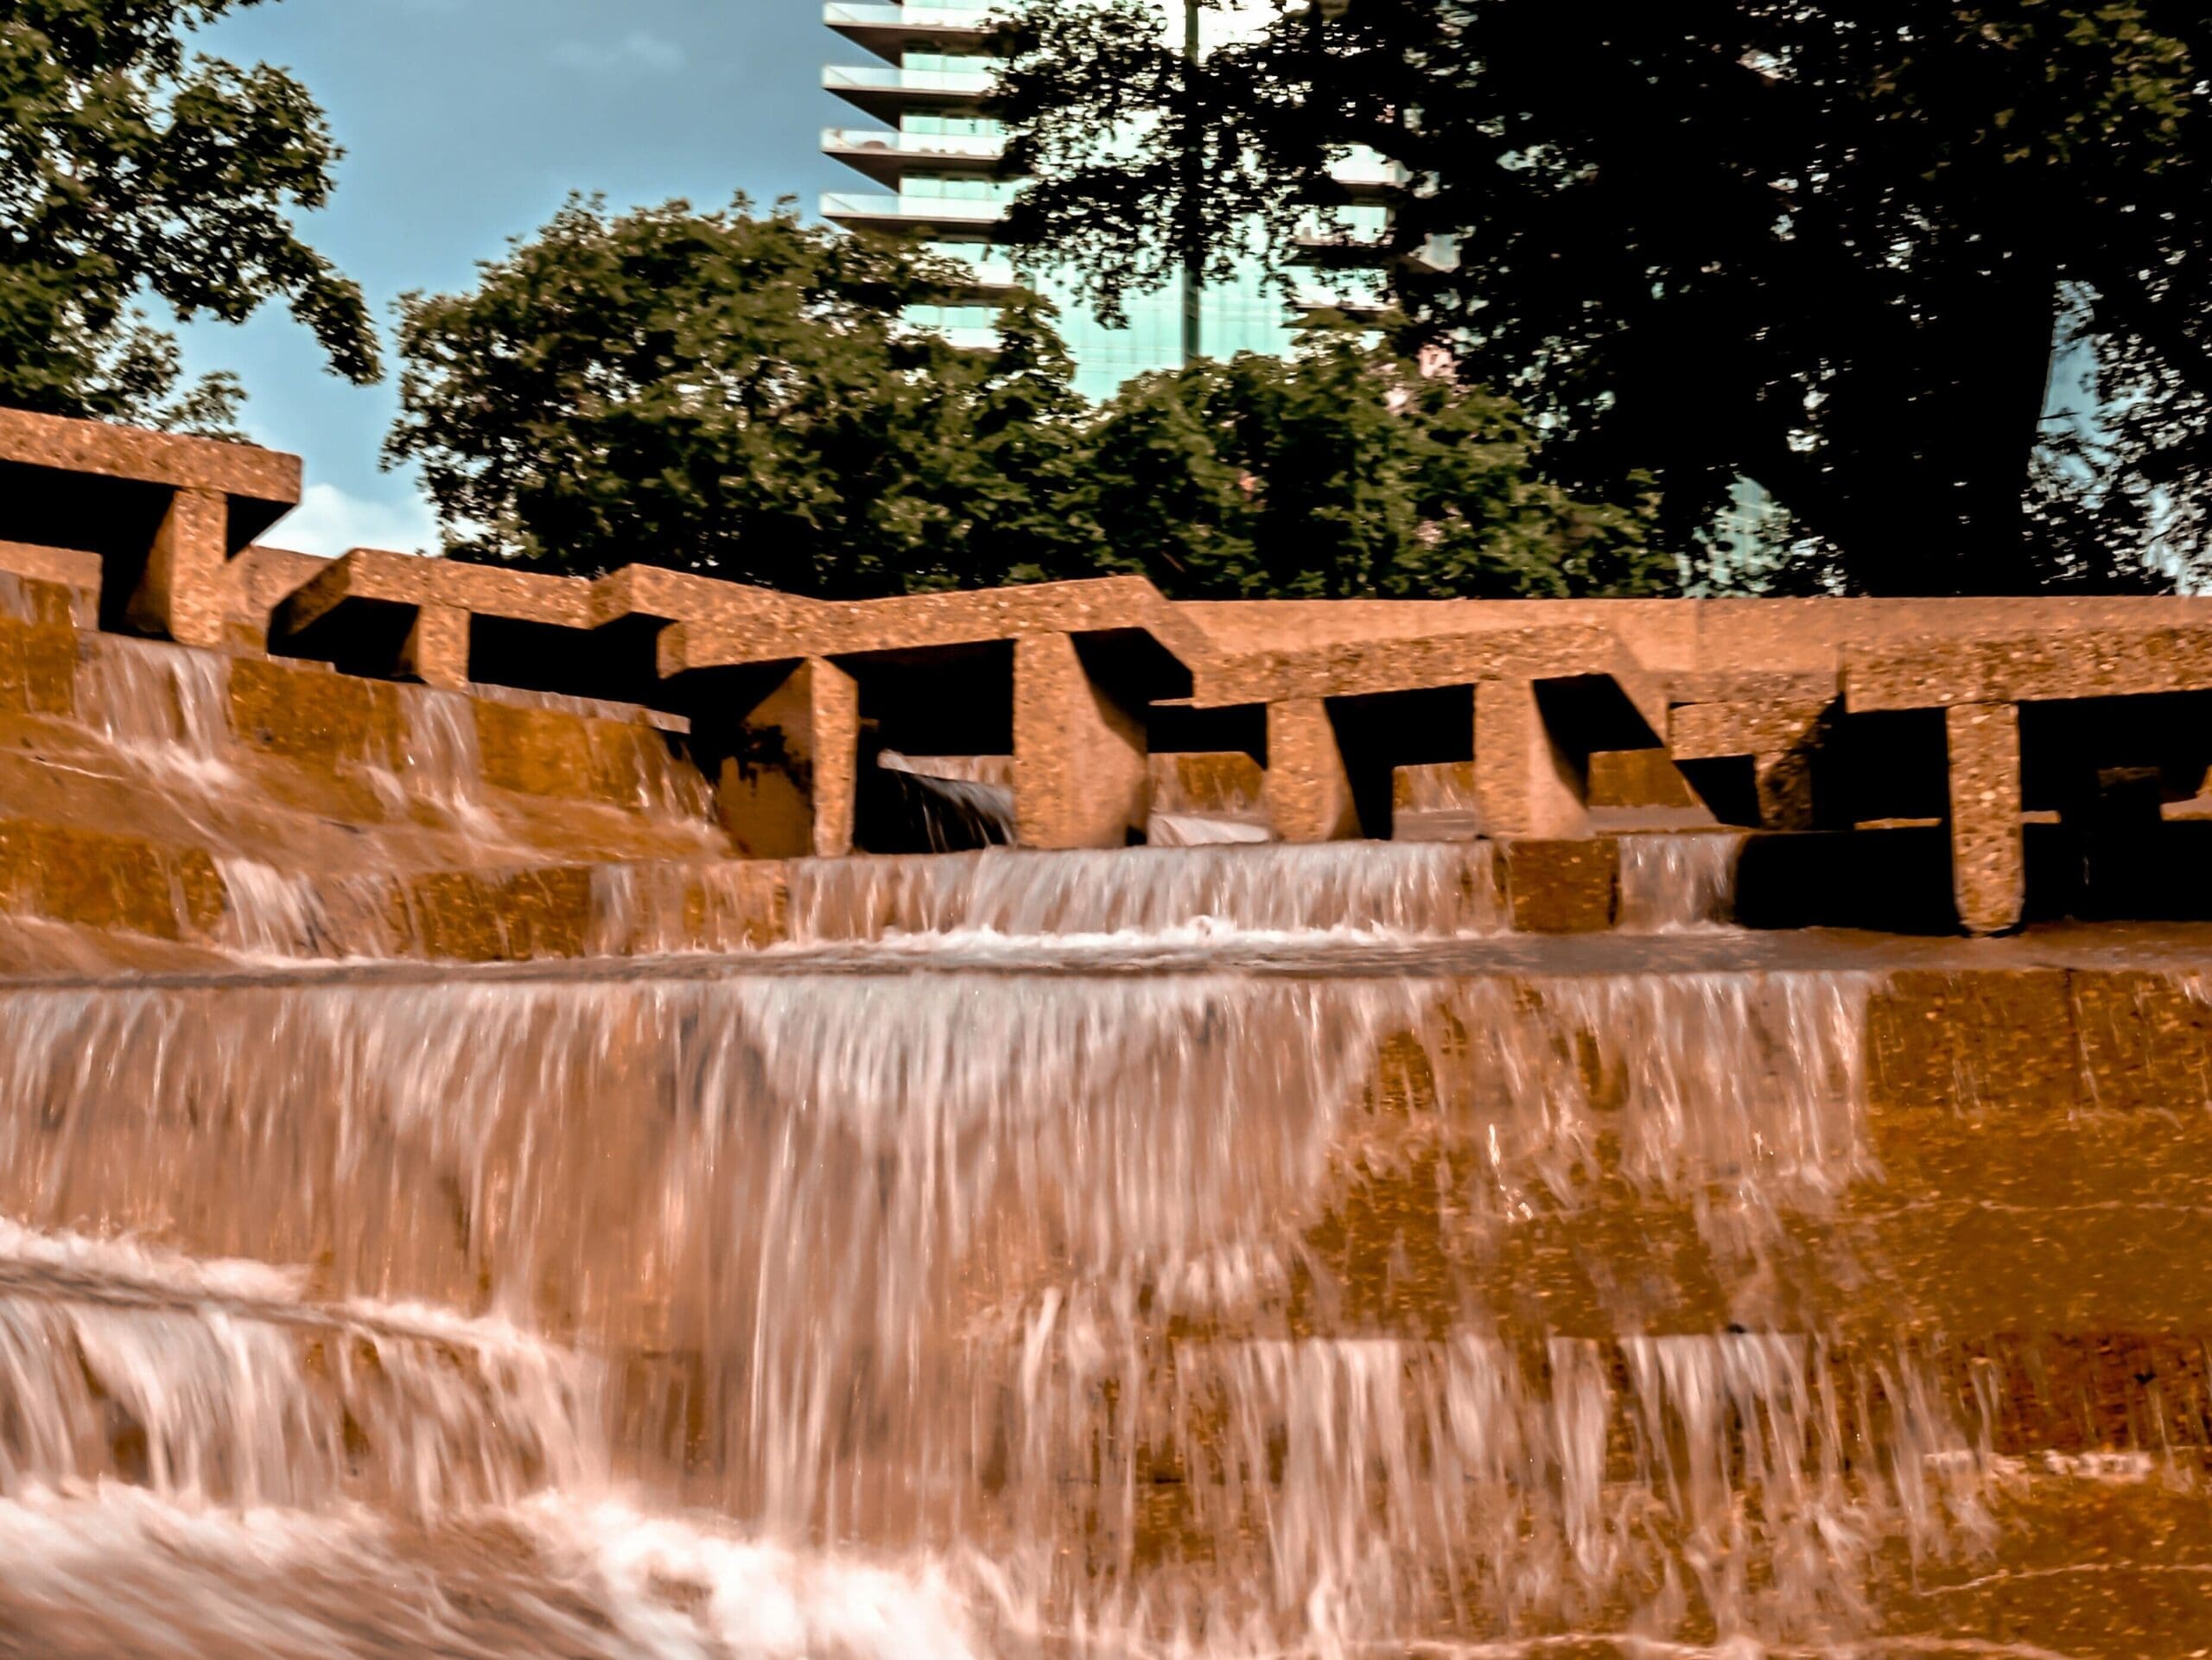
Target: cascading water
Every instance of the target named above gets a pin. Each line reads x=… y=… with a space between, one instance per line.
x=1214 y=1251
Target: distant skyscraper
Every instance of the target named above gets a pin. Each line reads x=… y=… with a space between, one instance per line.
x=934 y=156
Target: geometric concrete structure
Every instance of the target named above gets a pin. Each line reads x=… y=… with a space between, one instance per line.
x=150 y=520
x=1991 y=725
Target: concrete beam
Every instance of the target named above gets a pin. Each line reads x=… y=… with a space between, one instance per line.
x=1081 y=778
x=1988 y=854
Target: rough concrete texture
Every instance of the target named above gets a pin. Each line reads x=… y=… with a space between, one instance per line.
x=111 y=881
x=102 y=451
x=184 y=591
x=1562 y=887
x=2031 y=666
x=1081 y=779
x=435 y=650
x=1309 y=792
x=1988 y=856
x=789 y=790
x=1525 y=784
x=1637 y=778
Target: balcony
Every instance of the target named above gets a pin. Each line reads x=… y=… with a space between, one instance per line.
x=867 y=209
x=887 y=31
x=886 y=157
x=883 y=92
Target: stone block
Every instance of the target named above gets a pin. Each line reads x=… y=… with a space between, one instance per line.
x=534 y=750
x=1525 y=785
x=99 y=879
x=313 y=716
x=1562 y=887
x=1984 y=1042
x=1639 y=778
x=789 y=788
x=492 y=916
x=38 y=667
x=1988 y=856
x=1081 y=778
x=1308 y=791
x=2145 y=1041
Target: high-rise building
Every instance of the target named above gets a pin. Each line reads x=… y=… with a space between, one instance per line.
x=933 y=157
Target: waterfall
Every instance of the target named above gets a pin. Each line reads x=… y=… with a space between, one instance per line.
x=163 y=707
x=1678 y=883
x=1414 y=888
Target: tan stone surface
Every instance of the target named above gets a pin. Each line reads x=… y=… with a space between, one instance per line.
x=435 y=650
x=1638 y=778
x=1988 y=856
x=790 y=791
x=165 y=458
x=1562 y=887
x=1080 y=774
x=105 y=881
x=313 y=714
x=2102 y=662
x=371 y=573
x=1307 y=791
x=1525 y=785
x=913 y=621
x=1701 y=731
x=65 y=567
x=184 y=591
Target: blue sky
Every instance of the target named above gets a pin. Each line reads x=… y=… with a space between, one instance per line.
x=466 y=123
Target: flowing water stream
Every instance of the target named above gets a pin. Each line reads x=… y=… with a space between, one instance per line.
x=1220 y=1251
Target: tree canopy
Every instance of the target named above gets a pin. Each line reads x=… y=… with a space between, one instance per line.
x=747 y=396
x=130 y=165
x=1839 y=249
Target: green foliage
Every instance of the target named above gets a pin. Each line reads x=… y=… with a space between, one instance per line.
x=733 y=395
x=1345 y=471
x=1834 y=248
x=129 y=165
x=737 y=395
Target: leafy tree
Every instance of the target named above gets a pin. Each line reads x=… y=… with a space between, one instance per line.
x=735 y=395
x=1836 y=248
x=1346 y=471
x=745 y=396
x=127 y=165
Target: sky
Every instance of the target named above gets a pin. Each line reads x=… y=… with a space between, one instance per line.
x=466 y=124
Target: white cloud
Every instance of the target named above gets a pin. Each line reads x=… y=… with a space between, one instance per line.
x=636 y=50
x=327 y=521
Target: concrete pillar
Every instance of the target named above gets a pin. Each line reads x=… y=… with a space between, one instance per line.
x=1988 y=857
x=788 y=791
x=1081 y=774
x=1308 y=789
x=183 y=592
x=435 y=650
x=1525 y=784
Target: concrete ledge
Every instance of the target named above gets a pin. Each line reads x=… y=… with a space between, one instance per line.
x=264 y=478
x=2031 y=667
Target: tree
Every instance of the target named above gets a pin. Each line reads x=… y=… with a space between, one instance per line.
x=1837 y=249
x=1346 y=471
x=127 y=165
x=735 y=395
x=750 y=397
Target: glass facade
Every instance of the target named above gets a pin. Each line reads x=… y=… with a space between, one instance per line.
x=946 y=196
